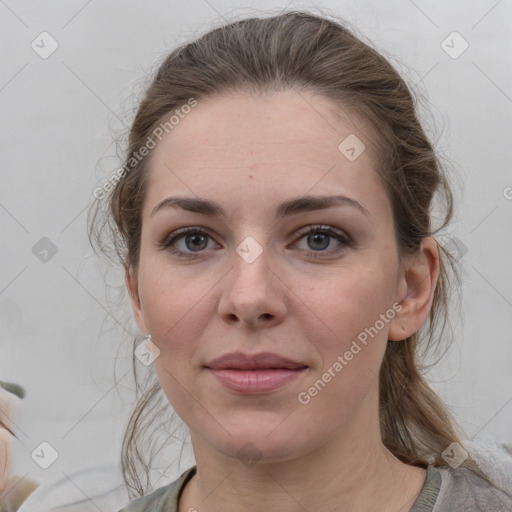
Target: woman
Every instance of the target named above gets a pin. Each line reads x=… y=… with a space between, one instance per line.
x=273 y=219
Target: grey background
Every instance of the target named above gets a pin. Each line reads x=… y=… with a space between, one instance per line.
x=59 y=115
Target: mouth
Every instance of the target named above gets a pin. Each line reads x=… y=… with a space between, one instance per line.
x=256 y=374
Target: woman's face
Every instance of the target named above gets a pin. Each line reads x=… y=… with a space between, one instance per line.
x=255 y=281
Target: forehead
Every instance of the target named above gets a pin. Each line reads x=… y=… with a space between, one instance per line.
x=278 y=144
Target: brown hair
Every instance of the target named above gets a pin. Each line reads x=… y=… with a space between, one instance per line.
x=308 y=52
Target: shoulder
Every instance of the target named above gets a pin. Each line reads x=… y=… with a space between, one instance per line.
x=162 y=499
x=462 y=489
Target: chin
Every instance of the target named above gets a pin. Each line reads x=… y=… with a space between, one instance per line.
x=259 y=443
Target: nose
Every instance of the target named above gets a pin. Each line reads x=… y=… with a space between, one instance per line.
x=254 y=293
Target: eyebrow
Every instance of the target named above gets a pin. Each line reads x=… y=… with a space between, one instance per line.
x=287 y=208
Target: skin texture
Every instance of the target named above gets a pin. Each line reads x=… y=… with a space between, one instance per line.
x=249 y=153
x=8 y=405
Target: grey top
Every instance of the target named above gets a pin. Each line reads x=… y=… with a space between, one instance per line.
x=444 y=490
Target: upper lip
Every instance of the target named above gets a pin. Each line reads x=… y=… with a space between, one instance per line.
x=263 y=360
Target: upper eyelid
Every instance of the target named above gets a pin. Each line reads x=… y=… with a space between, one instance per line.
x=322 y=227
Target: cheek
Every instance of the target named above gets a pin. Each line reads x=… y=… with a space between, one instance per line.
x=170 y=298
x=348 y=305
x=347 y=322
x=342 y=327
x=177 y=310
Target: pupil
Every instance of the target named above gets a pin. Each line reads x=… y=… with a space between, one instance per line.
x=318 y=237
x=195 y=238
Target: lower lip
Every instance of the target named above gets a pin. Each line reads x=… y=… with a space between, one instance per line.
x=256 y=381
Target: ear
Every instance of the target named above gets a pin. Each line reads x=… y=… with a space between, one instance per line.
x=416 y=285
x=132 y=286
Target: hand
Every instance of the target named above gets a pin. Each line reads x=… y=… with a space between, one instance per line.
x=8 y=406
x=14 y=490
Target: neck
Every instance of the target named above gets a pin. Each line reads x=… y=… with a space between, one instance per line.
x=338 y=475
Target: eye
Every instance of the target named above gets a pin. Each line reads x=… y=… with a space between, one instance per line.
x=187 y=242
x=192 y=241
x=320 y=238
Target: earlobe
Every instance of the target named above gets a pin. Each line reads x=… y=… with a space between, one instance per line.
x=132 y=287
x=416 y=291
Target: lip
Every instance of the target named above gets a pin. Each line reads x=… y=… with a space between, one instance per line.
x=261 y=361
x=254 y=374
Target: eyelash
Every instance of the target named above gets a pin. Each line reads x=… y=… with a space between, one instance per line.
x=343 y=239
